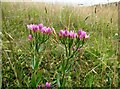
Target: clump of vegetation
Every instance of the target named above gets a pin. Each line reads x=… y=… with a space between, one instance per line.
x=39 y=57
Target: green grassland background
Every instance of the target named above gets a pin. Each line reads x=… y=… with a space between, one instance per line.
x=96 y=64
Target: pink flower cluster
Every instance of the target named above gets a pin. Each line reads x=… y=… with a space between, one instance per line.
x=71 y=34
x=63 y=33
x=46 y=30
x=82 y=34
x=47 y=85
x=40 y=27
x=66 y=33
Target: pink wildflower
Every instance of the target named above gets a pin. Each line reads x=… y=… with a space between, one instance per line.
x=61 y=33
x=82 y=34
x=30 y=26
x=30 y=37
x=40 y=26
x=43 y=30
x=38 y=87
x=72 y=34
x=48 y=30
x=48 y=84
x=66 y=32
x=33 y=27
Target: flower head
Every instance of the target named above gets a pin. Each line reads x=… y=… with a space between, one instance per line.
x=66 y=32
x=48 y=84
x=72 y=34
x=48 y=30
x=30 y=26
x=33 y=27
x=30 y=37
x=43 y=30
x=40 y=26
x=38 y=87
x=82 y=34
x=61 y=33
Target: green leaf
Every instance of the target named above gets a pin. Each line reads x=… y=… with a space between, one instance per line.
x=58 y=80
x=36 y=64
x=90 y=80
x=63 y=82
x=33 y=81
x=63 y=66
x=33 y=63
x=39 y=76
x=40 y=49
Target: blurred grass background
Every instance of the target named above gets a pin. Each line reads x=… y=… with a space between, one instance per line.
x=95 y=67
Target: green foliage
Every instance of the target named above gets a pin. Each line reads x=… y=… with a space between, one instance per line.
x=94 y=66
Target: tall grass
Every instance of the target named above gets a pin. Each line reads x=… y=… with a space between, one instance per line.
x=95 y=67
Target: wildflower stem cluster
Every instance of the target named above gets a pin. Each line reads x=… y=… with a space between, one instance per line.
x=71 y=40
x=39 y=34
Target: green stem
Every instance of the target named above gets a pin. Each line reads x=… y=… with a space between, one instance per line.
x=77 y=49
x=62 y=79
x=36 y=42
x=73 y=53
x=66 y=50
x=69 y=46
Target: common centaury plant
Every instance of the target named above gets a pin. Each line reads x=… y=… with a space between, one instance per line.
x=72 y=42
x=38 y=35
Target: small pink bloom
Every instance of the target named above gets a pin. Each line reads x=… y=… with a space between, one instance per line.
x=82 y=34
x=30 y=37
x=48 y=30
x=79 y=32
x=48 y=84
x=40 y=26
x=30 y=26
x=33 y=27
x=38 y=87
x=66 y=32
x=43 y=30
x=72 y=34
x=61 y=33
x=75 y=35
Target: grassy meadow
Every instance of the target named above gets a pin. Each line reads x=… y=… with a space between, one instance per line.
x=96 y=64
